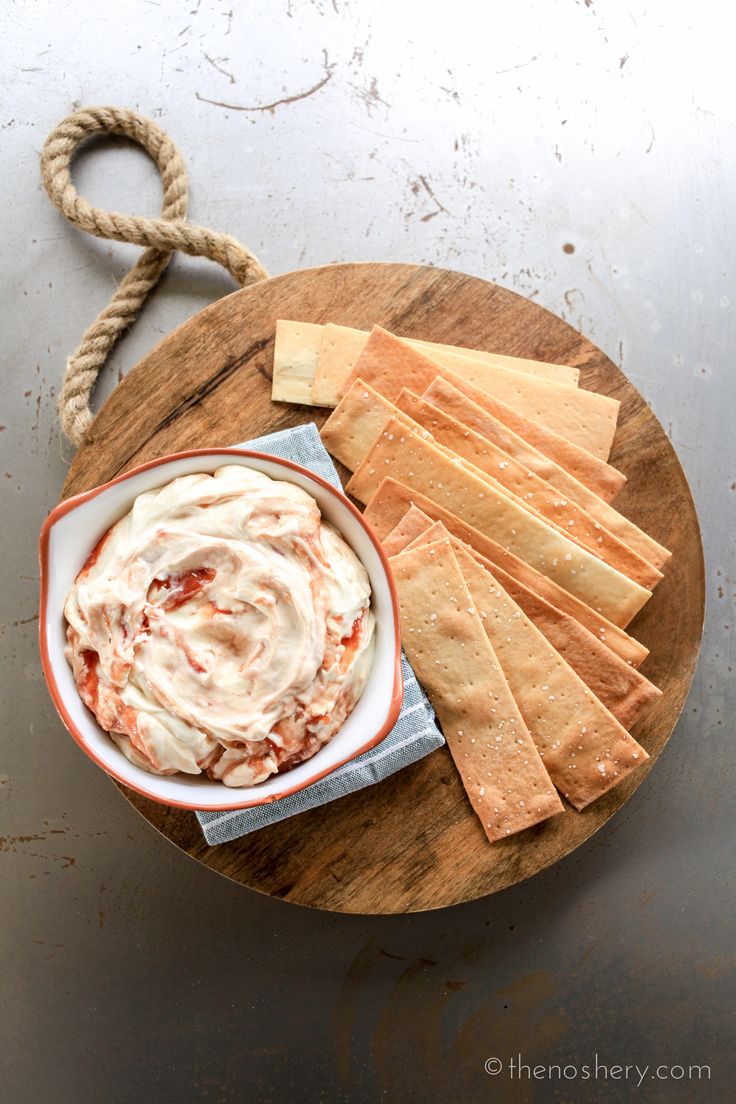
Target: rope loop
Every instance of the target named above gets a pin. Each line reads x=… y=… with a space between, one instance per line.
x=160 y=238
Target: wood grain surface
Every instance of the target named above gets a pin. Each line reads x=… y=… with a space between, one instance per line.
x=412 y=842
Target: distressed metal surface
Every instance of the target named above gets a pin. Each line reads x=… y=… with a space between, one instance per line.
x=580 y=153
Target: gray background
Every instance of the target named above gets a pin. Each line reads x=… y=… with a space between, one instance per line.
x=478 y=136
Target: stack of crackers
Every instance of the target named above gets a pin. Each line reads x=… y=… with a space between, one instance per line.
x=486 y=477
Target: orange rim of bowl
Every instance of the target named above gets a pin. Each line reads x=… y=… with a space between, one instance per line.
x=69 y=504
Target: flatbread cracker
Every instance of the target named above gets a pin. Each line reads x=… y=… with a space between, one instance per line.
x=500 y=768
x=595 y=473
x=411 y=525
x=584 y=748
x=453 y=402
x=422 y=465
x=393 y=499
x=584 y=417
x=295 y=361
x=359 y=418
x=362 y=413
x=356 y=421
x=455 y=357
x=621 y=688
x=534 y=492
x=341 y=346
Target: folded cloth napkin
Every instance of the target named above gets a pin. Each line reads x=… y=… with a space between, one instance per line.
x=414 y=735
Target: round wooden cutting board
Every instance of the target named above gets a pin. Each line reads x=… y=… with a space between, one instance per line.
x=412 y=842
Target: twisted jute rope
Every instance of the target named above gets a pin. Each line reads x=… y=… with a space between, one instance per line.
x=161 y=237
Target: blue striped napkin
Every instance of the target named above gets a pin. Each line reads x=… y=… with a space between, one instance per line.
x=414 y=735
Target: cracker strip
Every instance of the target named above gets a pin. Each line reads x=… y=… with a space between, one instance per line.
x=595 y=473
x=584 y=417
x=295 y=361
x=341 y=346
x=533 y=491
x=453 y=402
x=393 y=499
x=422 y=465
x=621 y=688
x=584 y=748
x=408 y=528
x=356 y=421
x=362 y=412
x=500 y=768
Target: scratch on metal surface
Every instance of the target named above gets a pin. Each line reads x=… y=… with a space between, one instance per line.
x=219 y=68
x=392 y=137
x=521 y=65
x=369 y=96
x=440 y=207
x=651 y=140
x=569 y=297
x=10 y=844
x=330 y=69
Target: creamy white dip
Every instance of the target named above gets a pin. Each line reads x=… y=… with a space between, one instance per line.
x=221 y=626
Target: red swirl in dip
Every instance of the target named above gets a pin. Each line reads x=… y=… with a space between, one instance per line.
x=221 y=626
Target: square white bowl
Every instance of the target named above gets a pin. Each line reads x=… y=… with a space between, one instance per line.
x=70 y=533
